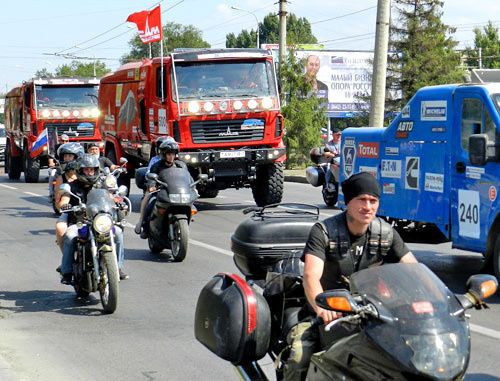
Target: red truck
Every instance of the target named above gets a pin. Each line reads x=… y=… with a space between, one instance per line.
x=221 y=106
x=41 y=110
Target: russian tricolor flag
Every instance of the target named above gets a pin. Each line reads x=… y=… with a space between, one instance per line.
x=41 y=141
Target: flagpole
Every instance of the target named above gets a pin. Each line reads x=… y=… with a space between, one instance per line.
x=161 y=52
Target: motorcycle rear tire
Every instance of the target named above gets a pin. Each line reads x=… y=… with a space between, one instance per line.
x=330 y=198
x=179 y=242
x=109 y=291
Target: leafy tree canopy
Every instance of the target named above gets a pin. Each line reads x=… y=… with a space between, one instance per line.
x=489 y=43
x=75 y=69
x=298 y=31
x=174 y=36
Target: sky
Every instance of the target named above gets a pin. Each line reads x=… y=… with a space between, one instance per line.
x=34 y=34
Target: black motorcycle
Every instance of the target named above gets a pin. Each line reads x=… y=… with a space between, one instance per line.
x=316 y=175
x=172 y=209
x=95 y=265
x=399 y=322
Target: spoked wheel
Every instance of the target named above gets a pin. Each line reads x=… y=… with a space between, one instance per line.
x=108 y=286
x=153 y=246
x=179 y=242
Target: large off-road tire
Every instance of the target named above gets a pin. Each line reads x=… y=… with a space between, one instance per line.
x=179 y=242
x=108 y=288
x=31 y=167
x=268 y=187
x=207 y=191
x=494 y=264
x=13 y=165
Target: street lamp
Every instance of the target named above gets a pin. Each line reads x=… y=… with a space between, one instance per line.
x=256 y=19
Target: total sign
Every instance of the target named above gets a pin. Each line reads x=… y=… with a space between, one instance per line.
x=368 y=149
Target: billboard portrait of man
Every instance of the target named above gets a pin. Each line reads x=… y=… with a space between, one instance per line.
x=313 y=64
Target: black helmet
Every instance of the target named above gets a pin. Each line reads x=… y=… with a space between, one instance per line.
x=168 y=146
x=158 y=143
x=87 y=160
x=75 y=149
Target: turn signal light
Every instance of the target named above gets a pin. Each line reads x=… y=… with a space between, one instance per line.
x=488 y=288
x=339 y=304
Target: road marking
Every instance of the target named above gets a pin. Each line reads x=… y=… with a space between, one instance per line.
x=32 y=194
x=210 y=247
x=484 y=331
x=6 y=186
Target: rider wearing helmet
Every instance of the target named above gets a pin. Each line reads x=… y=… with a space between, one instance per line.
x=167 y=151
x=157 y=157
x=68 y=153
x=104 y=162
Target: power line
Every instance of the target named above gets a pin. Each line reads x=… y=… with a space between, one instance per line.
x=346 y=15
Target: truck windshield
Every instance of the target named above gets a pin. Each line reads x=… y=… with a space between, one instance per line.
x=224 y=80
x=66 y=96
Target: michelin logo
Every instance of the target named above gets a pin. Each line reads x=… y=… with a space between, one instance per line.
x=433 y=110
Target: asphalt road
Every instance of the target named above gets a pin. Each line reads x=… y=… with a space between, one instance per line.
x=49 y=334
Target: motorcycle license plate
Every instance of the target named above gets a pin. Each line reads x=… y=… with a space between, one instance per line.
x=231 y=154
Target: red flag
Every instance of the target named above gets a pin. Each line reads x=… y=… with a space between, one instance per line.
x=148 y=24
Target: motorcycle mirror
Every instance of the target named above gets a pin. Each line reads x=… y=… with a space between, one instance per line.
x=122 y=190
x=65 y=189
x=203 y=176
x=123 y=160
x=337 y=300
x=482 y=285
x=151 y=176
x=107 y=171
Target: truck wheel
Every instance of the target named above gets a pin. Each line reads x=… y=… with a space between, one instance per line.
x=31 y=167
x=12 y=165
x=495 y=265
x=268 y=187
x=207 y=192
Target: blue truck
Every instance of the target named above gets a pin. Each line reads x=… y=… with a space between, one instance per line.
x=438 y=164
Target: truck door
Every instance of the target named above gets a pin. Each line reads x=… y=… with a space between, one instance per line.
x=473 y=189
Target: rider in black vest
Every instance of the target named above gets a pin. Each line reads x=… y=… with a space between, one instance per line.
x=336 y=248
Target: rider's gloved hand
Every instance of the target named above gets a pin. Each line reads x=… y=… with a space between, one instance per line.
x=65 y=207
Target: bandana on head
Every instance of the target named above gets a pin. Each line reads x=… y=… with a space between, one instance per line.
x=360 y=183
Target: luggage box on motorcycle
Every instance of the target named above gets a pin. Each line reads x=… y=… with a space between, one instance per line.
x=232 y=320
x=272 y=233
x=140 y=177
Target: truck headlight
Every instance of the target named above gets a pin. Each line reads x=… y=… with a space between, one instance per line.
x=103 y=223
x=193 y=107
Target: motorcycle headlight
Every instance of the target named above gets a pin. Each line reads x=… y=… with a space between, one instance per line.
x=103 y=223
x=180 y=198
x=110 y=181
x=439 y=355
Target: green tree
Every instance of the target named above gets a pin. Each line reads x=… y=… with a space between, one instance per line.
x=302 y=109
x=81 y=69
x=43 y=73
x=489 y=43
x=174 y=36
x=298 y=31
x=426 y=46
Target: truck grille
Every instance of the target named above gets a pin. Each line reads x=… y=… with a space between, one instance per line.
x=73 y=130
x=220 y=131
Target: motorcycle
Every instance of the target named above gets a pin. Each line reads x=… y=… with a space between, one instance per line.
x=316 y=175
x=95 y=265
x=172 y=207
x=399 y=322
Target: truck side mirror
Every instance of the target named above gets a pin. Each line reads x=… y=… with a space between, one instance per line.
x=478 y=144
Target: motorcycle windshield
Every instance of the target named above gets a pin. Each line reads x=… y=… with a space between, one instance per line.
x=424 y=325
x=178 y=181
x=99 y=201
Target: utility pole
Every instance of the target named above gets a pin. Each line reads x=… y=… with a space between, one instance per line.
x=380 y=64
x=282 y=30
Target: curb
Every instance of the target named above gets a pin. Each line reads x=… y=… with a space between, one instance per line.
x=296 y=179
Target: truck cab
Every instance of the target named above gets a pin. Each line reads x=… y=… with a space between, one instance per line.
x=438 y=166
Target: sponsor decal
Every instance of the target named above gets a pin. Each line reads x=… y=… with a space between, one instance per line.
x=412 y=174
x=390 y=168
x=434 y=182
x=151 y=112
x=348 y=156
x=162 y=121
x=403 y=129
x=438 y=129
x=405 y=113
x=492 y=193
x=136 y=74
x=252 y=124
x=474 y=172
x=389 y=188
x=392 y=151
x=433 y=110
x=130 y=74
x=468 y=213
x=143 y=74
x=118 y=95
x=368 y=149
x=371 y=170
